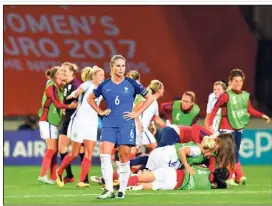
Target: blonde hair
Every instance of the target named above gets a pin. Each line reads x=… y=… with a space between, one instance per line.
x=208 y=142
x=51 y=73
x=154 y=86
x=190 y=94
x=72 y=67
x=88 y=72
x=115 y=57
x=222 y=84
x=133 y=74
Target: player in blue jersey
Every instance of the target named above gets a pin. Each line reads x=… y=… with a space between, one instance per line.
x=118 y=125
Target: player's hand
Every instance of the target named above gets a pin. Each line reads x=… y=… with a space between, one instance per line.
x=71 y=96
x=190 y=170
x=266 y=118
x=105 y=112
x=130 y=115
x=73 y=105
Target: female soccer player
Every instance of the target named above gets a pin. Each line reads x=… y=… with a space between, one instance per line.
x=71 y=84
x=83 y=125
x=50 y=116
x=182 y=112
x=236 y=107
x=219 y=88
x=145 y=137
x=119 y=127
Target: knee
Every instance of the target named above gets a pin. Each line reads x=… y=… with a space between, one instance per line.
x=124 y=156
x=74 y=154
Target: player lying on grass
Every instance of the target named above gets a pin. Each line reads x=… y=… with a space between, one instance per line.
x=175 y=179
x=185 y=155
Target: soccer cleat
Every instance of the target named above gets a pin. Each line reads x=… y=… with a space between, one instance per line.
x=135 y=188
x=106 y=195
x=45 y=180
x=59 y=179
x=243 y=181
x=231 y=182
x=120 y=195
x=116 y=184
x=97 y=179
x=83 y=184
x=69 y=179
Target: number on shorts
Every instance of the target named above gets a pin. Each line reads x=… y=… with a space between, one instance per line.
x=117 y=100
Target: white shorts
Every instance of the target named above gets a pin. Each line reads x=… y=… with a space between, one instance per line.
x=166 y=179
x=163 y=157
x=48 y=131
x=79 y=130
x=145 y=138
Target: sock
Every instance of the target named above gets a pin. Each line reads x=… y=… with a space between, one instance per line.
x=115 y=175
x=124 y=175
x=68 y=168
x=133 y=180
x=141 y=160
x=107 y=171
x=81 y=159
x=238 y=171
x=85 y=166
x=53 y=166
x=65 y=162
x=47 y=158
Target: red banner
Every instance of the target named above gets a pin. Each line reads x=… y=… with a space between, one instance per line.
x=186 y=47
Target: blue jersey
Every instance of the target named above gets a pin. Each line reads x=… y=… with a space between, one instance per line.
x=119 y=98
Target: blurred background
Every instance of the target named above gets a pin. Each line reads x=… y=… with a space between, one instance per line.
x=185 y=47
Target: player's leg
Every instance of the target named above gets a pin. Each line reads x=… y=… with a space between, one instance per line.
x=89 y=140
x=67 y=161
x=108 y=140
x=49 y=133
x=125 y=140
x=64 y=142
x=238 y=171
x=81 y=155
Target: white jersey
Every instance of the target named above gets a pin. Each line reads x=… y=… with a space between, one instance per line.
x=147 y=115
x=211 y=102
x=84 y=111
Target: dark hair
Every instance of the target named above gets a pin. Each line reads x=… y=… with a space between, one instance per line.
x=220 y=177
x=236 y=73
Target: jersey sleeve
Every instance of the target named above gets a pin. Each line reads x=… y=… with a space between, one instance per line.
x=210 y=104
x=98 y=91
x=85 y=86
x=139 y=88
x=195 y=151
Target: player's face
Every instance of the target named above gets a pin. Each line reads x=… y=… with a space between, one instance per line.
x=218 y=90
x=161 y=91
x=186 y=102
x=60 y=74
x=237 y=83
x=119 y=67
x=68 y=74
x=99 y=77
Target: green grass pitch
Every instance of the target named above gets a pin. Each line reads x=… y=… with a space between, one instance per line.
x=21 y=187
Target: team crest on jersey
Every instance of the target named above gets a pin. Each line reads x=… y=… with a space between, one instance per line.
x=126 y=89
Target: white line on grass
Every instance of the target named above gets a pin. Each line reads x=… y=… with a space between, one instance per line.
x=131 y=193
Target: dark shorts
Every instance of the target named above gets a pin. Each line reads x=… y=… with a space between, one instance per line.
x=168 y=136
x=63 y=127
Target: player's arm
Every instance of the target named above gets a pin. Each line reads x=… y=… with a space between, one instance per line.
x=137 y=119
x=52 y=93
x=149 y=99
x=208 y=112
x=159 y=121
x=256 y=113
x=188 y=152
x=81 y=89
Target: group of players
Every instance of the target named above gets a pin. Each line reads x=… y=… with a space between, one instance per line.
x=187 y=155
